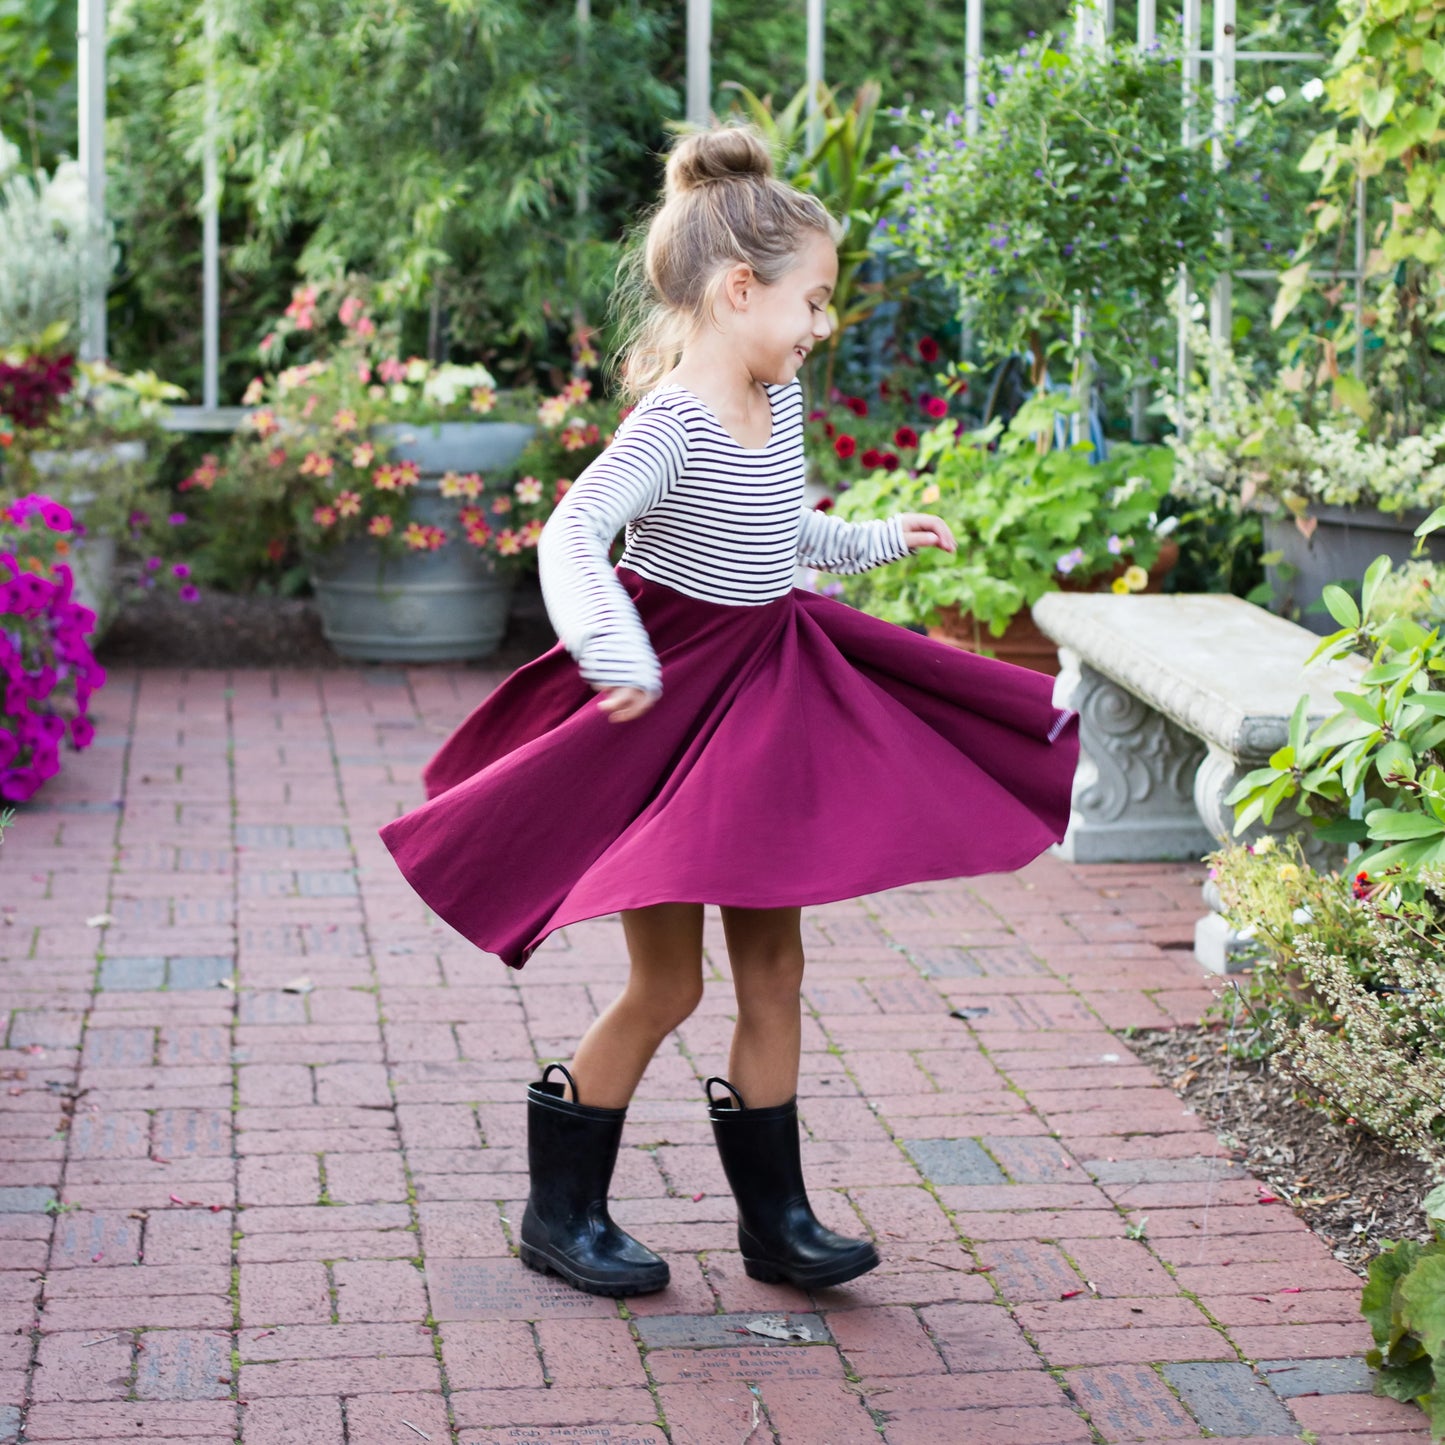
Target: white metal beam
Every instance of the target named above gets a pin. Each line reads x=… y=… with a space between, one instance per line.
x=211 y=231
x=90 y=52
x=815 y=73
x=699 y=61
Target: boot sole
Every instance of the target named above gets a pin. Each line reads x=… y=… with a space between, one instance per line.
x=766 y=1272
x=542 y=1263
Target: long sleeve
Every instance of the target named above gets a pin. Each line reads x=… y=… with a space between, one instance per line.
x=588 y=606
x=832 y=545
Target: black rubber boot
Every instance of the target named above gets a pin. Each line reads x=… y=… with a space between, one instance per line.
x=566 y=1230
x=778 y=1233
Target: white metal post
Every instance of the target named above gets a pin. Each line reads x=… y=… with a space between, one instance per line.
x=1360 y=277
x=211 y=231
x=699 y=61
x=815 y=74
x=1148 y=26
x=1221 y=300
x=1093 y=22
x=1145 y=35
x=1190 y=22
x=90 y=52
x=972 y=62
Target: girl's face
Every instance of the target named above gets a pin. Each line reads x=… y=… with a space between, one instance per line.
x=779 y=325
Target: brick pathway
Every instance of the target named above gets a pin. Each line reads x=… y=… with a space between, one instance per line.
x=237 y=1211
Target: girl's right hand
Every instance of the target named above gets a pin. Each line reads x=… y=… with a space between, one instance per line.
x=624 y=704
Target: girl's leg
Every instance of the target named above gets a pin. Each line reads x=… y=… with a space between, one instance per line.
x=765 y=948
x=756 y=1126
x=664 y=943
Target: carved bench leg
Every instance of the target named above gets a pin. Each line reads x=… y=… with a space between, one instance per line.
x=1133 y=794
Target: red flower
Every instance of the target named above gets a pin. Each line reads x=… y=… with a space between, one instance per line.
x=829 y=430
x=857 y=405
x=933 y=406
x=928 y=349
x=1361 y=887
x=823 y=504
x=872 y=457
x=889 y=460
x=817 y=414
x=905 y=436
x=884 y=389
x=845 y=446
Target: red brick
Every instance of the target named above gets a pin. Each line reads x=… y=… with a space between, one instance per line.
x=882 y=1342
x=279 y=1179
x=183 y=1365
x=818 y=1410
x=487 y=1409
x=494 y=1354
x=1062 y=1348
x=1357 y=1415
x=332 y=1342
x=1323 y=1306
x=1040 y=1224
x=189 y=1236
x=365 y=1178
x=978 y=1337
x=284 y=1294
x=72 y=1366
x=372 y=1291
x=589 y=1354
x=196 y=1311
x=210 y=1420
x=339 y=1376
x=1265 y=1279
x=1130 y=1402
x=1302 y=1341
x=1023 y=1270
x=456 y=1229
x=292 y=1422
x=377 y=1419
x=994 y=1198
x=1022 y=1425
x=1119 y=1267
x=1087 y=1313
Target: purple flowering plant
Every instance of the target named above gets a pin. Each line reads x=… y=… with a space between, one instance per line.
x=47 y=670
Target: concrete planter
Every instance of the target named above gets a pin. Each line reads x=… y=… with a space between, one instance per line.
x=1344 y=543
x=451 y=605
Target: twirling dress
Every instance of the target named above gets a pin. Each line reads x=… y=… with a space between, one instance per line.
x=800 y=752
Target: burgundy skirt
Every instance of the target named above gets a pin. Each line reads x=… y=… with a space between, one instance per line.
x=802 y=752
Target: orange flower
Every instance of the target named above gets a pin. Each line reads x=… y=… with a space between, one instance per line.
x=324 y=516
x=344 y=420
x=276 y=457
x=415 y=536
x=379 y=526
x=348 y=504
x=531 y=533
x=483 y=399
x=408 y=474
x=317 y=464
x=363 y=455
x=508 y=543
x=455 y=484
x=264 y=423
x=577 y=390
x=384 y=479
x=528 y=490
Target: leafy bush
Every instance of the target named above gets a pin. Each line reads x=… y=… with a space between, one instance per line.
x=1404 y=1302
x=1024 y=519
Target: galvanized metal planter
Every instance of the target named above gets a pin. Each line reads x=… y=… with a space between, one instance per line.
x=444 y=606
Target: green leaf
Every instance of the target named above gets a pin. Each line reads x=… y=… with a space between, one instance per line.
x=1360 y=706
x=1341 y=606
x=1421 y=1300
x=1376 y=1300
x=1258 y=778
x=1343 y=830
x=1432 y=523
x=1433 y=1205
x=1376 y=104
x=1375 y=573
x=1389 y=825
x=1350 y=392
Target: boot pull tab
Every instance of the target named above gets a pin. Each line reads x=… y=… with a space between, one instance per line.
x=714 y=1102
x=566 y=1074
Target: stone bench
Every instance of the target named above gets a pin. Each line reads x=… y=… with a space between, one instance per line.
x=1178 y=697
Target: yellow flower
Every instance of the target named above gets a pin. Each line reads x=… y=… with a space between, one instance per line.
x=528 y=490
x=363 y=455
x=1287 y=873
x=1264 y=845
x=1120 y=585
x=553 y=411
x=483 y=399
x=1136 y=579
x=379 y=526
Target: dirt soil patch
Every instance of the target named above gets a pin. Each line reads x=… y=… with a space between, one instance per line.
x=225 y=630
x=1350 y=1188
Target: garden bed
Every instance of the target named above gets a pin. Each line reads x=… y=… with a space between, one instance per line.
x=1347 y=1186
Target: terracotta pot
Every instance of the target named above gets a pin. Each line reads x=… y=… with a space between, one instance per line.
x=1022 y=642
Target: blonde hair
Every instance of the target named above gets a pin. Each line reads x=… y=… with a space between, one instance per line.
x=721 y=204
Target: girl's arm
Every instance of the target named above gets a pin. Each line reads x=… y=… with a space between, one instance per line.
x=588 y=606
x=832 y=545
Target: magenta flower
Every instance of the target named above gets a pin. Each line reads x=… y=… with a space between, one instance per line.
x=189 y=593
x=181 y=569
x=177 y=519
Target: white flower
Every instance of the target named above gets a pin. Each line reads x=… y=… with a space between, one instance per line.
x=1275 y=94
x=449 y=381
x=1313 y=89
x=1302 y=916
x=65 y=200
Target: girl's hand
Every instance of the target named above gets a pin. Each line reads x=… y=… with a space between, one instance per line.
x=921 y=530
x=624 y=704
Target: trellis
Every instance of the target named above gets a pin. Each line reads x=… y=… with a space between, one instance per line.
x=1094 y=22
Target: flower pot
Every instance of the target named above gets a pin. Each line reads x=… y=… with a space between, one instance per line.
x=76 y=479
x=1344 y=542
x=1022 y=643
x=382 y=605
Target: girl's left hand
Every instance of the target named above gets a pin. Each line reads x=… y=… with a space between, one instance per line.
x=921 y=530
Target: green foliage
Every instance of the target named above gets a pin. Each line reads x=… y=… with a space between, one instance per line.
x=1404 y=1303
x=1382 y=749
x=1386 y=85
x=1076 y=192
x=1024 y=518
x=854 y=184
x=37 y=79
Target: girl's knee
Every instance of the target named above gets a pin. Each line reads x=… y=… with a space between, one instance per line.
x=774 y=981
x=667 y=1008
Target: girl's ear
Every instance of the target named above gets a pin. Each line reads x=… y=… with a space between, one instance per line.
x=738 y=283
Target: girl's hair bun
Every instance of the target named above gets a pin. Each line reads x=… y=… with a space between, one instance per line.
x=721 y=154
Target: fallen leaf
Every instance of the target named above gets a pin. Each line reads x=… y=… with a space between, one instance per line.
x=1293 y=1289
x=697 y=1198
x=176 y=1199
x=1071 y=1294
x=776 y=1327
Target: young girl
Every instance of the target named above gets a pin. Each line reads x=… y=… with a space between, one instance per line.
x=753 y=747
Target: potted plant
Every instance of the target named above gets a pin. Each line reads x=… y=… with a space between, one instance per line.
x=400 y=484
x=1332 y=496
x=1027 y=521
x=47 y=671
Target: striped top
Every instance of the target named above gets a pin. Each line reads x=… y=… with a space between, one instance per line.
x=718 y=521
